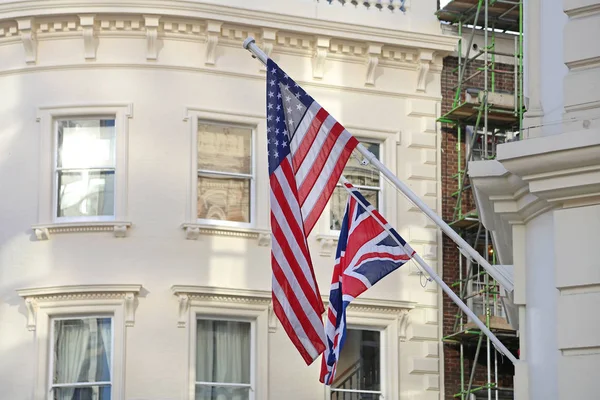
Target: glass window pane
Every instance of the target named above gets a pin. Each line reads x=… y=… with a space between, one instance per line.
x=224 y=198
x=224 y=148
x=359 y=364
x=365 y=175
x=86 y=143
x=222 y=352
x=82 y=350
x=87 y=393
x=339 y=198
x=221 y=393
x=86 y=193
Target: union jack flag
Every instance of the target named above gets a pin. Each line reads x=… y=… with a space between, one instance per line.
x=307 y=150
x=366 y=253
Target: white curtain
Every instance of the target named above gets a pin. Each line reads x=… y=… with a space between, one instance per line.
x=76 y=361
x=222 y=356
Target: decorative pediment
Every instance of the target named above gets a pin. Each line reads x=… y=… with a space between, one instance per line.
x=83 y=295
x=215 y=297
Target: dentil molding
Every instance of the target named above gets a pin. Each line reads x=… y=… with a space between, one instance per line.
x=411 y=51
x=44 y=231
x=88 y=294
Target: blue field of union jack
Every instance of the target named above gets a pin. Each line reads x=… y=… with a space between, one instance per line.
x=366 y=252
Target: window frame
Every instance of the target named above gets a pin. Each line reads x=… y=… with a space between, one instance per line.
x=259 y=225
x=202 y=302
x=380 y=198
x=252 y=321
x=251 y=177
x=55 y=170
x=51 y=350
x=385 y=317
x=48 y=117
x=382 y=356
x=45 y=304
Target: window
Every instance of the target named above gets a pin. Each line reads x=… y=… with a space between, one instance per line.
x=223 y=360
x=228 y=332
x=85 y=168
x=364 y=177
x=81 y=363
x=225 y=173
x=358 y=373
x=80 y=337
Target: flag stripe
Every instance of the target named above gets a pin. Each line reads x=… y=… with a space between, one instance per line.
x=306 y=349
x=300 y=141
x=314 y=205
x=309 y=160
x=303 y=126
x=309 y=138
x=310 y=321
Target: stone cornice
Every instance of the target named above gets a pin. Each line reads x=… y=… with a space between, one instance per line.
x=501 y=193
x=563 y=170
x=305 y=84
x=78 y=294
x=233 y=15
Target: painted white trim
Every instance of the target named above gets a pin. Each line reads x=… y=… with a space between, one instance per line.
x=387 y=324
x=43 y=304
x=228 y=14
x=387 y=140
x=47 y=116
x=119 y=228
x=258 y=196
x=227 y=304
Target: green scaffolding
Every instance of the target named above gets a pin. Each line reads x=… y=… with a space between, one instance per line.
x=486 y=120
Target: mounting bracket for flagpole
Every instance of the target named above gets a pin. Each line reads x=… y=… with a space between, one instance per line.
x=464 y=247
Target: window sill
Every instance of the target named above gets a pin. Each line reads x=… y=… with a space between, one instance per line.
x=193 y=231
x=119 y=228
x=327 y=244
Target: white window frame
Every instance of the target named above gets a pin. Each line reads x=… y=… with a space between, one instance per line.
x=252 y=322
x=45 y=304
x=251 y=176
x=259 y=193
x=385 y=317
x=48 y=219
x=52 y=349
x=381 y=363
x=200 y=302
x=55 y=169
x=381 y=200
x=388 y=197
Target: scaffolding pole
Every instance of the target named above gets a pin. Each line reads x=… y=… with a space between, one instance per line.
x=491 y=124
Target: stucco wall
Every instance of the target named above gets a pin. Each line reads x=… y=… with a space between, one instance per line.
x=399 y=108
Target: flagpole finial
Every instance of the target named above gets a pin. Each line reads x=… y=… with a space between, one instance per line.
x=250 y=45
x=247 y=42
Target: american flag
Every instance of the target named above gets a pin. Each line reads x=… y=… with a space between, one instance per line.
x=307 y=152
x=366 y=253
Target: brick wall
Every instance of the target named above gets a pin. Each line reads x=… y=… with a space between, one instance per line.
x=504 y=82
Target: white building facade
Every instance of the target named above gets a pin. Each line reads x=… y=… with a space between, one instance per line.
x=134 y=216
x=541 y=199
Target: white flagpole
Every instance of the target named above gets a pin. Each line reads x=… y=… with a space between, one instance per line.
x=250 y=45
